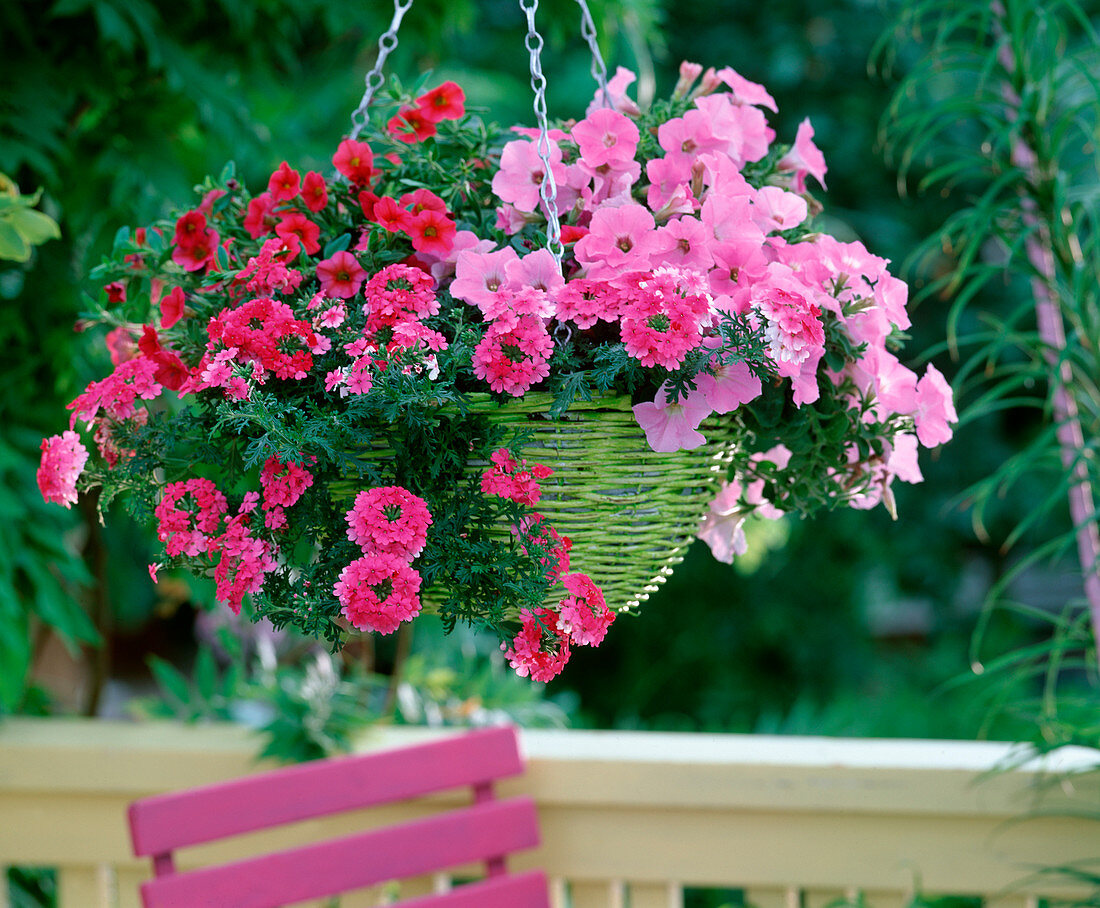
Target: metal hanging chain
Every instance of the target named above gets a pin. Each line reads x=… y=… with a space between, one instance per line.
x=599 y=68
x=374 y=78
x=548 y=189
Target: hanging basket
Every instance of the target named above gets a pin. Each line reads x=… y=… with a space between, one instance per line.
x=630 y=511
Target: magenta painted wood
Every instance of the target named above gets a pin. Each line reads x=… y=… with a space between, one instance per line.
x=327 y=868
x=527 y=890
x=165 y=822
x=485 y=831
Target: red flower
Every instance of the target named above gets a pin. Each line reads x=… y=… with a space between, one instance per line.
x=571 y=233
x=116 y=292
x=421 y=200
x=171 y=372
x=260 y=219
x=190 y=228
x=447 y=102
x=354 y=160
x=367 y=201
x=297 y=225
x=171 y=307
x=208 y=200
x=432 y=233
x=284 y=183
x=410 y=125
x=196 y=243
x=341 y=276
x=391 y=215
x=314 y=191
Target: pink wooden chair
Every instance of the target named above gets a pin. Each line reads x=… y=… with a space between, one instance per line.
x=485 y=831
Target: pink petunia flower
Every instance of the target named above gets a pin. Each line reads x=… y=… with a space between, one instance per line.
x=522 y=172
x=671 y=426
x=478 y=275
x=935 y=409
x=606 y=138
x=804 y=158
x=618 y=239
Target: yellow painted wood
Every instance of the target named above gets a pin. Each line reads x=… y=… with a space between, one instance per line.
x=128 y=883
x=656 y=895
x=83 y=887
x=559 y=892
x=370 y=897
x=1008 y=900
x=763 y=897
x=769 y=815
x=600 y=894
x=873 y=899
x=828 y=898
x=423 y=885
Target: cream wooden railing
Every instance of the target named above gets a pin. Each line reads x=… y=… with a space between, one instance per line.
x=628 y=819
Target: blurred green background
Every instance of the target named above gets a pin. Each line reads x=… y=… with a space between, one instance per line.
x=847 y=624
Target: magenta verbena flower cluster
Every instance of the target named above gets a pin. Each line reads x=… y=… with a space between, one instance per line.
x=295 y=372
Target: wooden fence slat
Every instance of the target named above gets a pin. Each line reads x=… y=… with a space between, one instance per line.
x=827 y=898
x=421 y=885
x=656 y=895
x=765 y=897
x=128 y=884
x=885 y=899
x=84 y=887
x=559 y=895
x=585 y=894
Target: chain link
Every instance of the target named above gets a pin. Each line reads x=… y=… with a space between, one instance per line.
x=374 y=79
x=599 y=68
x=548 y=189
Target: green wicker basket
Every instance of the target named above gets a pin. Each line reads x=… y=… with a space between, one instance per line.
x=630 y=511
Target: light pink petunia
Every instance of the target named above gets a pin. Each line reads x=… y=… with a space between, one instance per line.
x=732 y=385
x=776 y=209
x=935 y=408
x=804 y=158
x=606 y=138
x=522 y=172
x=619 y=239
x=746 y=92
x=685 y=242
x=478 y=275
x=670 y=426
x=723 y=528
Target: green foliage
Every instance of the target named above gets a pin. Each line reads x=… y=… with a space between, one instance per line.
x=1018 y=146
x=30 y=887
x=21 y=227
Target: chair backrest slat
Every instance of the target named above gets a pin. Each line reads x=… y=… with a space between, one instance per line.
x=527 y=890
x=163 y=823
x=451 y=839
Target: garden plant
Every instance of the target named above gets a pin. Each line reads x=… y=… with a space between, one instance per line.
x=366 y=366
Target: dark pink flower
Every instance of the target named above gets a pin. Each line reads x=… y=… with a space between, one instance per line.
x=63 y=459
